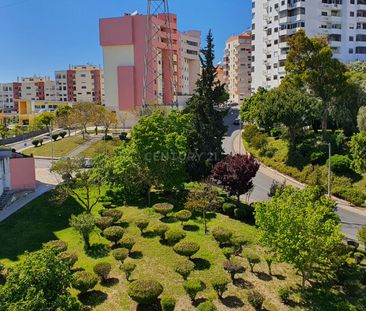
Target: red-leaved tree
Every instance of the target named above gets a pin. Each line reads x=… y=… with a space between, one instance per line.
x=235 y=174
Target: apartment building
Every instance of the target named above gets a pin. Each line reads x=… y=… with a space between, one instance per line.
x=343 y=22
x=220 y=73
x=123 y=40
x=83 y=83
x=237 y=67
x=8 y=97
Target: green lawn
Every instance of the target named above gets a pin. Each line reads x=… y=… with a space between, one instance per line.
x=61 y=147
x=101 y=146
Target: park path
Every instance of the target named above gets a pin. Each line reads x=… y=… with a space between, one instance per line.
x=84 y=146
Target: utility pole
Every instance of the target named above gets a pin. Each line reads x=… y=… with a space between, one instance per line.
x=329 y=171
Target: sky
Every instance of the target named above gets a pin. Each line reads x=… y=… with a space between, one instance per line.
x=41 y=36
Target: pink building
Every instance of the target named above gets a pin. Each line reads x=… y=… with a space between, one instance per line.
x=123 y=40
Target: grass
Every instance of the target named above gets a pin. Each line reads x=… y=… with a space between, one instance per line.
x=108 y=146
x=61 y=147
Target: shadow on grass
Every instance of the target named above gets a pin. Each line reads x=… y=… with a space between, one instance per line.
x=232 y=302
x=149 y=234
x=136 y=255
x=98 y=250
x=201 y=264
x=168 y=220
x=241 y=283
x=152 y=307
x=192 y=228
x=123 y=224
x=93 y=298
x=35 y=224
x=279 y=277
x=110 y=282
x=263 y=276
x=198 y=301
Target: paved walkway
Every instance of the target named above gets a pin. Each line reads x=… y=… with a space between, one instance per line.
x=84 y=146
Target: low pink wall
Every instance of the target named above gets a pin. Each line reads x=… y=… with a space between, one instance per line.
x=126 y=87
x=23 y=175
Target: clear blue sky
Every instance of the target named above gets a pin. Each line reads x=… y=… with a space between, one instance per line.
x=40 y=36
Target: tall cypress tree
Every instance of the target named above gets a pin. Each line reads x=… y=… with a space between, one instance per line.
x=208 y=130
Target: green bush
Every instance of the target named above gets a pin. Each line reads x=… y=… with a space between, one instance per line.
x=127 y=243
x=228 y=252
x=358 y=257
x=259 y=142
x=233 y=267
x=222 y=235
x=84 y=281
x=145 y=292
x=256 y=299
x=228 y=209
x=107 y=137
x=69 y=258
x=63 y=134
x=104 y=222
x=113 y=234
x=219 y=284
x=284 y=293
x=352 y=194
x=340 y=164
x=142 y=224
x=318 y=158
x=128 y=268
x=173 y=236
x=57 y=245
x=253 y=259
x=114 y=213
x=167 y=303
x=269 y=261
x=55 y=136
x=160 y=230
x=206 y=306
x=163 y=208
x=250 y=131
x=183 y=215
x=41 y=141
x=269 y=153
x=35 y=142
x=193 y=287
x=123 y=136
x=120 y=254
x=184 y=268
x=102 y=269
x=276 y=132
x=187 y=249
x=238 y=241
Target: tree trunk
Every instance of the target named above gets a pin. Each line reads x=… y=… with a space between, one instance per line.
x=292 y=132
x=324 y=124
x=96 y=130
x=86 y=240
x=304 y=277
x=204 y=221
x=149 y=196
x=69 y=131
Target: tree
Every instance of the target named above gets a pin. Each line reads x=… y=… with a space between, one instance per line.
x=301 y=228
x=235 y=174
x=310 y=64
x=82 y=114
x=45 y=119
x=64 y=118
x=4 y=131
x=361 y=119
x=362 y=235
x=85 y=185
x=97 y=115
x=202 y=198
x=84 y=224
x=108 y=118
x=205 y=139
x=145 y=292
x=357 y=67
x=358 y=152
x=40 y=281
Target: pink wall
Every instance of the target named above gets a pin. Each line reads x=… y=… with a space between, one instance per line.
x=126 y=92
x=22 y=172
x=116 y=31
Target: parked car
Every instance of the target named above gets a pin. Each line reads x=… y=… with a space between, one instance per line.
x=88 y=163
x=236 y=121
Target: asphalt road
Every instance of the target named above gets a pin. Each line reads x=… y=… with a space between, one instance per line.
x=351 y=218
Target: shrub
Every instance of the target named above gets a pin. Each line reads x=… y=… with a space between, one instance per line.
x=361 y=234
x=233 y=267
x=340 y=164
x=253 y=259
x=351 y=194
x=160 y=230
x=184 y=268
x=167 y=303
x=55 y=136
x=128 y=268
x=276 y=132
x=115 y=214
x=284 y=293
x=142 y=224
x=104 y=222
x=222 y=235
x=276 y=186
x=127 y=243
x=145 y=292
x=35 y=142
x=123 y=136
x=228 y=252
x=41 y=141
x=259 y=142
x=113 y=234
x=183 y=215
x=250 y=131
x=269 y=260
x=69 y=258
x=57 y=245
x=256 y=299
x=219 y=284
x=102 y=269
x=163 y=208
x=193 y=287
x=269 y=153
x=358 y=257
x=173 y=236
x=318 y=158
x=238 y=241
x=120 y=254
x=228 y=209
x=241 y=214
x=187 y=249
x=63 y=134
x=84 y=281
x=107 y=137
x=206 y=306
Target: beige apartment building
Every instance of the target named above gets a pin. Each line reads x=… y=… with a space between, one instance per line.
x=237 y=67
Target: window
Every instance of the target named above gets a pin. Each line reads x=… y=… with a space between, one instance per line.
x=351 y=13
x=350 y=51
x=324 y=13
x=352 y=1
x=334 y=37
x=350 y=38
x=361 y=50
x=361 y=38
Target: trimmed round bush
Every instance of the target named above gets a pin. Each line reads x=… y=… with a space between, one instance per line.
x=193 y=287
x=163 y=208
x=128 y=268
x=340 y=164
x=228 y=252
x=57 y=245
x=318 y=158
x=233 y=267
x=184 y=268
x=206 y=306
x=123 y=136
x=253 y=259
x=127 y=242
x=173 y=236
x=187 y=249
x=219 y=284
x=120 y=254
x=107 y=137
x=104 y=222
x=114 y=213
x=69 y=258
x=256 y=299
x=160 y=230
x=63 y=134
x=228 y=209
x=113 y=234
x=84 y=281
x=102 y=269
x=145 y=292
x=358 y=257
x=284 y=293
x=183 y=215
x=222 y=235
x=55 y=136
x=142 y=224
x=167 y=303
x=35 y=142
x=238 y=241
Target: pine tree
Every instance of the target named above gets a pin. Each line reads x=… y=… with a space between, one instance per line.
x=208 y=130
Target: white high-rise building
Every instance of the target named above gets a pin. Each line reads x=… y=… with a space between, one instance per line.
x=343 y=22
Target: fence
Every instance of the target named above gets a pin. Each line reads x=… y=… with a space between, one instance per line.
x=18 y=138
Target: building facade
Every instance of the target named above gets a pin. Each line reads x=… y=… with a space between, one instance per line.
x=343 y=22
x=237 y=67
x=123 y=40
